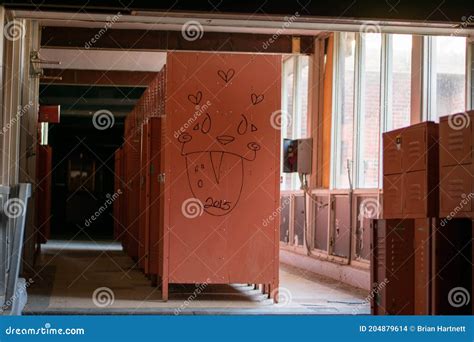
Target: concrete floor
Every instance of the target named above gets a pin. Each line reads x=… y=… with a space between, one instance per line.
x=70 y=272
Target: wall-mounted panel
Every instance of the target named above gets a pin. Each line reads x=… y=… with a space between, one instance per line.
x=321 y=222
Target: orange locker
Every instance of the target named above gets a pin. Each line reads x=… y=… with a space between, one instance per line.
x=221 y=161
x=156 y=204
x=392 y=271
x=456 y=165
x=411 y=173
x=144 y=199
x=43 y=192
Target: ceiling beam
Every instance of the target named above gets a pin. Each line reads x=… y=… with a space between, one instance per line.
x=83 y=38
x=115 y=78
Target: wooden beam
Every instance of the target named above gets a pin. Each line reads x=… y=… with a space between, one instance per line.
x=114 y=39
x=117 y=78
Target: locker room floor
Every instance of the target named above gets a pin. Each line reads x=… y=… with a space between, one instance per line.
x=68 y=273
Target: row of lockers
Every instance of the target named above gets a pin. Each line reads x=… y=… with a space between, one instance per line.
x=422 y=253
x=428 y=168
x=200 y=151
x=422 y=266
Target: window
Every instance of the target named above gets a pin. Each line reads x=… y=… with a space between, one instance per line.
x=294 y=123
x=344 y=120
x=446 y=75
x=372 y=94
x=399 y=77
x=369 y=111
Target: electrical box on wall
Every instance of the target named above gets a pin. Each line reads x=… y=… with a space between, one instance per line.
x=297 y=155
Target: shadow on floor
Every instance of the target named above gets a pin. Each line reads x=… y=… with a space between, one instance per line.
x=79 y=277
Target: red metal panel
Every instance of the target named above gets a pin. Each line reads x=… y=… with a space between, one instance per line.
x=223 y=154
x=415 y=147
x=392 y=152
x=455 y=138
x=144 y=199
x=49 y=114
x=423 y=266
x=392 y=268
x=416 y=187
x=392 y=196
x=156 y=196
x=456 y=185
x=43 y=192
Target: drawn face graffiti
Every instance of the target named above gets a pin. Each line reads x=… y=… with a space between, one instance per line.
x=217 y=147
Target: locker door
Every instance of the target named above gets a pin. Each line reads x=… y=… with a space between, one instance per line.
x=43 y=192
x=155 y=195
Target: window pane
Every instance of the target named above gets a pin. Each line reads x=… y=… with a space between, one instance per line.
x=301 y=119
x=295 y=105
x=345 y=114
x=449 y=71
x=399 y=89
x=369 y=128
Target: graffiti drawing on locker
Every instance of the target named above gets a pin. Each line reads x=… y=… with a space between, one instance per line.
x=216 y=167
